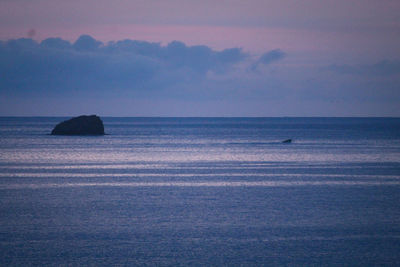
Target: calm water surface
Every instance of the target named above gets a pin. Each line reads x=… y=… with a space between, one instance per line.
x=201 y=191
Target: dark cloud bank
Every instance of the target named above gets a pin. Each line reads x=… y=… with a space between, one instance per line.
x=56 y=66
x=134 y=77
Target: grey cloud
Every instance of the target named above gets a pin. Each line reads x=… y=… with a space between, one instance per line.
x=86 y=42
x=57 y=66
x=55 y=43
x=271 y=56
x=22 y=43
x=268 y=58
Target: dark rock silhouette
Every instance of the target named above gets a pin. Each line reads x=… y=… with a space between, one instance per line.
x=287 y=141
x=82 y=125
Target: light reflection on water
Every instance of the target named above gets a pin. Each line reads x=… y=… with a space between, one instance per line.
x=188 y=155
x=204 y=184
x=220 y=175
x=201 y=191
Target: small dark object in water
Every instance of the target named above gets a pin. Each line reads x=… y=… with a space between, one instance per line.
x=287 y=141
x=82 y=125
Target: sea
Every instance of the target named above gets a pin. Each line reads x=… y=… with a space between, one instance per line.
x=201 y=192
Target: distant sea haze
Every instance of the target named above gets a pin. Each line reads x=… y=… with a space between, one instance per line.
x=201 y=191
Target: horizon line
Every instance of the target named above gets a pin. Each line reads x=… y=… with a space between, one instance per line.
x=193 y=117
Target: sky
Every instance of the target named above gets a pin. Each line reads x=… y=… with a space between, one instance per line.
x=200 y=58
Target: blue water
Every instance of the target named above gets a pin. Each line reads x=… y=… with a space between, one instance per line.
x=201 y=191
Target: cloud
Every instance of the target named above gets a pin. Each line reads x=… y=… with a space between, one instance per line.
x=268 y=58
x=56 y=43
x=87 y=43
x=381 y=68
x=271 y=56
x=60 y=67
x=131 y=77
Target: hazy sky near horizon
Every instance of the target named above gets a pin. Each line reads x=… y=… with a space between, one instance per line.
x=200 y=58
